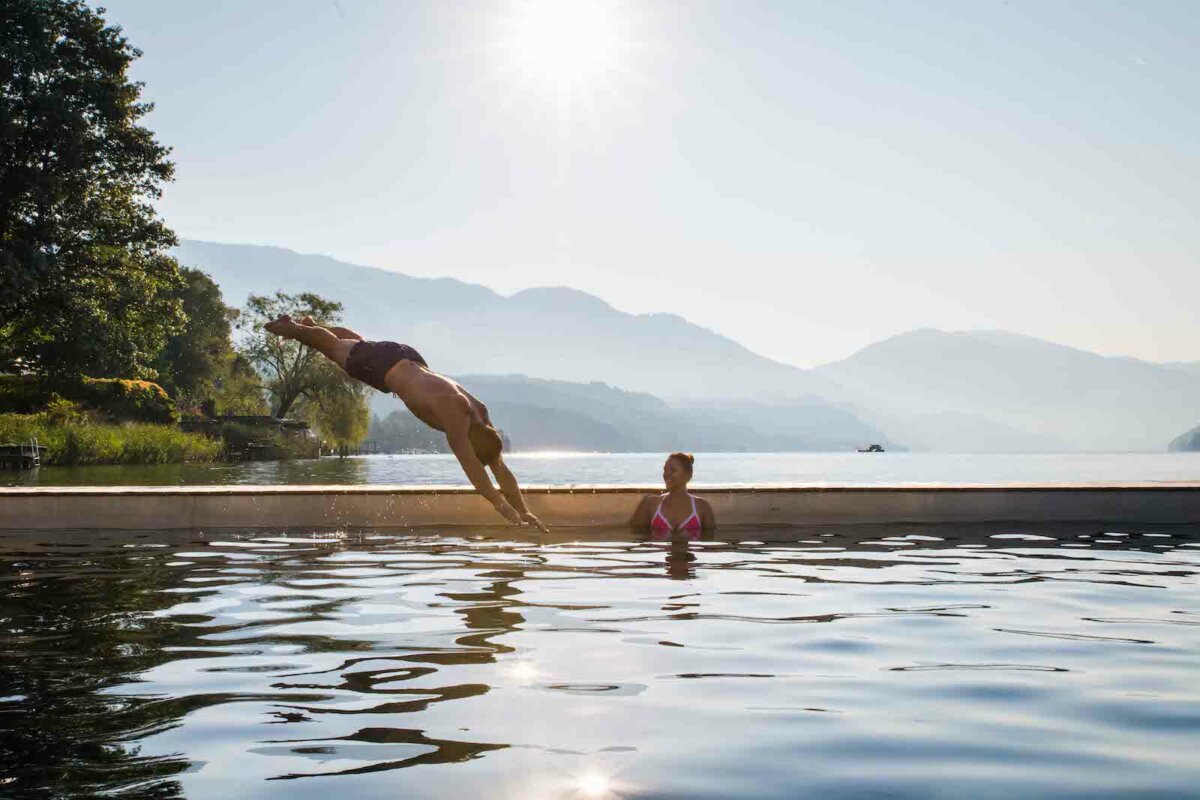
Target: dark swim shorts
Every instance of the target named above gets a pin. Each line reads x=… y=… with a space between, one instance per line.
x=369 y=362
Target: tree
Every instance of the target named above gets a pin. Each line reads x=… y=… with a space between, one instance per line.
x=401 y=432
x=85 y=282
x=239 y=390
x=199 y=366
x=338 y=411
x=290 y=370
x=300 y=379
x=196 y=359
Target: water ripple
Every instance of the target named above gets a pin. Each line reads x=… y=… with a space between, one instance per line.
x=905 y=662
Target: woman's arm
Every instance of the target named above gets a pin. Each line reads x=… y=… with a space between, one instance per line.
x=708 y=520
x=642 y=514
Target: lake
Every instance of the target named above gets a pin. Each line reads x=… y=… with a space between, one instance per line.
x=899 y=663
x=564 y=469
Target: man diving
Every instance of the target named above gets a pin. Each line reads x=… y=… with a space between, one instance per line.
x=436 y=400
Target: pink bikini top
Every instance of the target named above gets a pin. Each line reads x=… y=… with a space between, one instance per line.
x=661 y=527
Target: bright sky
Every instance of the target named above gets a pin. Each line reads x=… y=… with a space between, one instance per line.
x=804 y=177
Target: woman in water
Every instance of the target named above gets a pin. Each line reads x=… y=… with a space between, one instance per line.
x=676 y=514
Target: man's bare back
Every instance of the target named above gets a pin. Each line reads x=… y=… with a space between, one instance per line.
x=441 y=403
x=433 y=398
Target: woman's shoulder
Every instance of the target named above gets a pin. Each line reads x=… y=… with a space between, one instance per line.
x=650 y=501
x=701 y=503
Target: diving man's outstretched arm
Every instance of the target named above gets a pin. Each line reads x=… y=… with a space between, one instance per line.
x=512 y=491
x=460 y=445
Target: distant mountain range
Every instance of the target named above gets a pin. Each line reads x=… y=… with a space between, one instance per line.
x=555 y=333
x=555 y=415
x=1051 y=397
x=1188 y=441
x=1192 y=367
x=682 y=385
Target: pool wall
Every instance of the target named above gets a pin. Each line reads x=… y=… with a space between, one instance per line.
x=213 y=507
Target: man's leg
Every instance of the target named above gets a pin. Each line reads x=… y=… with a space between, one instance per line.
x=336 y=330
x=314 y=336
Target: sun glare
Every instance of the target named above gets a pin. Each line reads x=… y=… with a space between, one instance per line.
x=593 y=784
x=565 y=47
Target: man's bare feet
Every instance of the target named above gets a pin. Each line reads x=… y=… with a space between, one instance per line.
x=307 y=320
x=279 y=327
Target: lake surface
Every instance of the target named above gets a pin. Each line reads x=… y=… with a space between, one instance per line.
x=898 y=663
x=564 y=469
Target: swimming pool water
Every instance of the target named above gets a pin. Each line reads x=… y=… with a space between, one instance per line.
x=890 y=662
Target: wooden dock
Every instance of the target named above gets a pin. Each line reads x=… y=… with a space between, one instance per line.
x=21 y=456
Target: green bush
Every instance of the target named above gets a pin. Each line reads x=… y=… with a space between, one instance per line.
x=132 y=401
x=119 y=400
x=23 y=394
x=238 y=436
x=82 y=442
x=64 y=412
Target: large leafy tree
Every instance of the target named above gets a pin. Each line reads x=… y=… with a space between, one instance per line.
x=292 y=372
x=340 y=414
x=239 y=390
x=192 y=359
x=86 y=285
x=198 y=365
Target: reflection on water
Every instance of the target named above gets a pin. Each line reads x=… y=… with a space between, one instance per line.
x=897 y=662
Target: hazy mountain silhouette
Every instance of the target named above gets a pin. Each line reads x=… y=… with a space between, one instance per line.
x=1192 y=367
x=1187 y=441
x=554 y=333
x=927 y=389
x=538 y=414
x=556 y=336
x=1061 y=394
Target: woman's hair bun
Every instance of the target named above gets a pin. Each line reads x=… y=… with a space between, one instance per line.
x=687 y=459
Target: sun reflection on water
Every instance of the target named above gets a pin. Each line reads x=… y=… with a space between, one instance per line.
x=523 y=673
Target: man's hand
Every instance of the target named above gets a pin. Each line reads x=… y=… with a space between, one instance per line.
x=529 y=519
x=507 y=511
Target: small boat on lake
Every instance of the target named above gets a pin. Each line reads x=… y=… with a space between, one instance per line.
x=875 y=448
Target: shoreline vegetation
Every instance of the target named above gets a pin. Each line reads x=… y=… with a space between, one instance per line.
x=75 y=434
x=80 y=442
x=77 y=439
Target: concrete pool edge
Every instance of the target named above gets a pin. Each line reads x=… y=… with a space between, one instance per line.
x=310 y=506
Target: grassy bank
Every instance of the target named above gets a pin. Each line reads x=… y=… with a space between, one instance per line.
x=85 y=442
